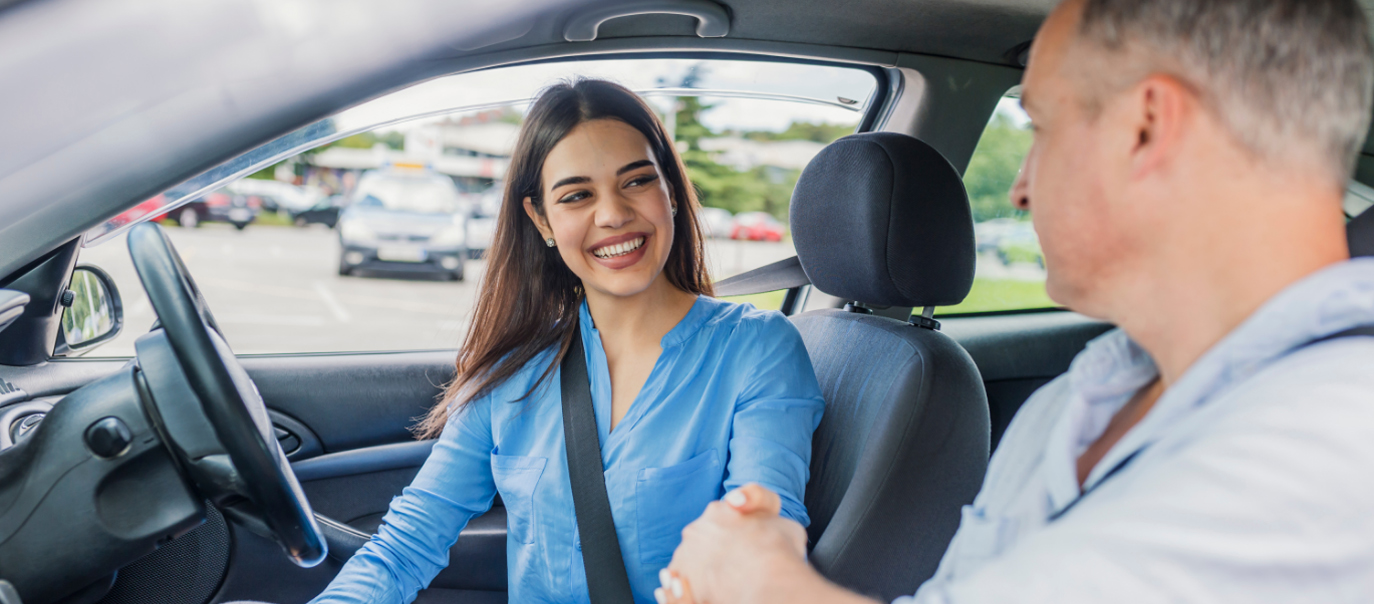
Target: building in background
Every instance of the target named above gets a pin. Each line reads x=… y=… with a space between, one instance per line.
x=474 y=150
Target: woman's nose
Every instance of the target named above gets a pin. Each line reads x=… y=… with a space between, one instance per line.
x=613 y=211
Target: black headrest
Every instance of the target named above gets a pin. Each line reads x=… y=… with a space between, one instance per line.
x=883 y=218
x=1360 y=232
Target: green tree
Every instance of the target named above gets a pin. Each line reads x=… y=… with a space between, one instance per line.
x=762 y=188
x=992 y=169
x=690 y=130
x=821 y=133
x=367 y=140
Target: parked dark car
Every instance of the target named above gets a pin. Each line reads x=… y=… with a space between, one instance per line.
x=216 y=206
x=326 y=212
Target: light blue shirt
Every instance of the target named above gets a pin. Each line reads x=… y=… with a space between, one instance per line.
x=1253 y=479
x=732 y=399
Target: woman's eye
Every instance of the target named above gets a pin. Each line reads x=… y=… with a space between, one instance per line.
x=642 y=180
x=571 y=197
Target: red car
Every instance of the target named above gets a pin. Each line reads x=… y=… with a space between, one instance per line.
x=139 y=211
x=756 y=226
x=238 y=210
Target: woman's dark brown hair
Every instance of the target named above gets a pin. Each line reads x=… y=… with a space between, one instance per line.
x=529 y=299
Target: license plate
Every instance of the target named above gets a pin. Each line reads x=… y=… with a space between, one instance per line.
x=401 y=253
x=240 y=215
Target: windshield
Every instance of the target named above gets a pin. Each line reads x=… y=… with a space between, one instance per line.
x=400 y=194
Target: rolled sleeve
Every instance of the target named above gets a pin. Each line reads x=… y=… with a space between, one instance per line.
x=775 y=416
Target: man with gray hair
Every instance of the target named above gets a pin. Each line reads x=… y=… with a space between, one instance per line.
x=1186 y=180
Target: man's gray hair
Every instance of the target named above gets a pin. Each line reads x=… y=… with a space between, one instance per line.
x=1277 y=72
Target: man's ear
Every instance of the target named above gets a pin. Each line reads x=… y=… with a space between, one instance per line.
x=540 y=222
x=1159 y=109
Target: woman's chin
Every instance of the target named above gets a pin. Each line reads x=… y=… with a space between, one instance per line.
x=620 y=286
x=624 y=283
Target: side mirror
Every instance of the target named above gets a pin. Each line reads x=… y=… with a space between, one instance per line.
x=94 y=313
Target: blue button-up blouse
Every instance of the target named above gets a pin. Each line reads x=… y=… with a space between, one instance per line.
x=732 y=399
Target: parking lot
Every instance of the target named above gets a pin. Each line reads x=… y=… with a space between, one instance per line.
x=277 y=289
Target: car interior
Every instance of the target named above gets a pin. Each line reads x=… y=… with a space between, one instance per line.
x=186 y=474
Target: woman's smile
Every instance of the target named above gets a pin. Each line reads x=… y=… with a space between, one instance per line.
x=620 y=251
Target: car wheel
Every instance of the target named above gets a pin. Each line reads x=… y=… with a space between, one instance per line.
x=188 y=218
x=300 y=221
x=456 y=275
x=344 y=271
x=240 y=225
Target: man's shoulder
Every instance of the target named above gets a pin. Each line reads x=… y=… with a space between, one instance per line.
x=1324 y=384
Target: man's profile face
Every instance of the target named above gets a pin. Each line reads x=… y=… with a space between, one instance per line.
x=1063 y=177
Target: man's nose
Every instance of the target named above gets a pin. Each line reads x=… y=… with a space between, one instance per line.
x=1019 y=195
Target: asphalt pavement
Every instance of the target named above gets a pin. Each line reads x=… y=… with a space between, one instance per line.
x=277 y=289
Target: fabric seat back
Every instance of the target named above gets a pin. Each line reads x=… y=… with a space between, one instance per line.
x=882 y=219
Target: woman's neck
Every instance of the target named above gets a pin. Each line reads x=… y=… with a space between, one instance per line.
x=632 y=322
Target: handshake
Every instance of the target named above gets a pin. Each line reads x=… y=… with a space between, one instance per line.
x=741 y=550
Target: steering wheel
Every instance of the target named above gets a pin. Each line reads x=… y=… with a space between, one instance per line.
x=256 y=486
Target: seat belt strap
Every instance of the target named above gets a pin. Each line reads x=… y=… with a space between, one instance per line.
x=783 y=274
x=607 y=580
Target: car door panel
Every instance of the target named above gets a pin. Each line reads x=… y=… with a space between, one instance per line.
x=1018 y=353
x=361 y=407
x=352 y=401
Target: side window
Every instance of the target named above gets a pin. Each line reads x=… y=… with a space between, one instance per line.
x=376 y=241
x=1011 y=269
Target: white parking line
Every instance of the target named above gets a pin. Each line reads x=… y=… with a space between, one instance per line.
x=333 y=303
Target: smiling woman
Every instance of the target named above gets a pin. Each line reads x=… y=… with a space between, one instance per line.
x=597 y=257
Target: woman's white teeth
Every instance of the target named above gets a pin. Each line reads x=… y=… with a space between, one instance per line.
x=619 y=249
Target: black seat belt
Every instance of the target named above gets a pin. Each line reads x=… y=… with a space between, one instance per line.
x=1363 y=330
x=607 y=580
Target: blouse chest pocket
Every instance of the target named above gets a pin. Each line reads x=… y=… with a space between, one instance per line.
x=668 y=499
x=516 y=478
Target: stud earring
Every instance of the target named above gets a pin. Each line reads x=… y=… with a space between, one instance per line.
x=550 y=242
x=674 y=211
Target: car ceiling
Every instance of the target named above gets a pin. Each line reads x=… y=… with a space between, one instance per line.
x=110 y=101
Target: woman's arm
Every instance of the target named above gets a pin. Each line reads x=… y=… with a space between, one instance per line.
x=411 y=546
x=778 y=409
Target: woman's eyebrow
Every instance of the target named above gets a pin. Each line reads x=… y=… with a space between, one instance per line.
x=633 y=166
x=577 y=180
x=571 y=180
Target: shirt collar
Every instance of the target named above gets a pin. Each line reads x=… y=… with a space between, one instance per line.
x=702 y=310
x=1113 y=366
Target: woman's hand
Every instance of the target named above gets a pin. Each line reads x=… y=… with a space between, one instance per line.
x=738 y=547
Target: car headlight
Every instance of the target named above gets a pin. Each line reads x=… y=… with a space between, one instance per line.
x=356 y=232
x=450 y=236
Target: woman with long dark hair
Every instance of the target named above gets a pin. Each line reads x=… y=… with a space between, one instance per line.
x=597 y=241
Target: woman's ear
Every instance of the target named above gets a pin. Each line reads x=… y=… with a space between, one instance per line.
x=540 y=222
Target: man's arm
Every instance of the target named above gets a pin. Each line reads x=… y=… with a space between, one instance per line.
x=741 y=550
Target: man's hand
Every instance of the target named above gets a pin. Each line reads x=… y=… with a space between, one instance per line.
x=741 y=550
